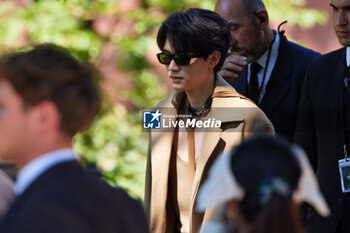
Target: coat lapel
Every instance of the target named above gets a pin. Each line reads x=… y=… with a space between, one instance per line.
x=212 y=137
x=339 y=74
x=241 y=82
x=279 y=84
x=210 y=141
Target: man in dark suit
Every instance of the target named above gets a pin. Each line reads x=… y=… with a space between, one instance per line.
x=46 y=97
x=323 y=124
x=264 y=65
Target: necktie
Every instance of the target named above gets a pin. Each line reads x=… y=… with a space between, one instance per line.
x=253 y=87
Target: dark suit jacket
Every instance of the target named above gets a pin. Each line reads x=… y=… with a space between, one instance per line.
x=281 y=99
x=6 y=192
x=320 y=131
x=65 y=199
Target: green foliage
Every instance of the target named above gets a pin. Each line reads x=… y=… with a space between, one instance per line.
x=292 y=11
x=172 y=5
x=117 y=145
x=147 y=91
x=116 y=142
x=133 y=51
x=49 y=21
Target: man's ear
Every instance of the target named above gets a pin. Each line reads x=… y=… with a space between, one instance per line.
x=262 y=18
x=214 y=58
x=46 y=116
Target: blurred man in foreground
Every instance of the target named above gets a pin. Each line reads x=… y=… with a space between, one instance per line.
x=46 y=97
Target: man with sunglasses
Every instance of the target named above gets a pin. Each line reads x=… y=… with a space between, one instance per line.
x=193 y=47
x=264 y=65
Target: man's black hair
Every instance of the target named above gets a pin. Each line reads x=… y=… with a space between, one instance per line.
x=196 y=31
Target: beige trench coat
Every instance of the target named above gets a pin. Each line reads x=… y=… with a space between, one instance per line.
x=242 y=119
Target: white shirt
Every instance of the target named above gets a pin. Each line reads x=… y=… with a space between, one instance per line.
x=347 y=56
x=263 y=62
x=32 y=170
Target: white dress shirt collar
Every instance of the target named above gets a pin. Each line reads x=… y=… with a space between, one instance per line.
x=274 y=52
x=270 y=65
x=32 y=170
x=347 y=56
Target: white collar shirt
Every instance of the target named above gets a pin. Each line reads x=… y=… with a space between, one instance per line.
x=264 y=61
x=32 y=170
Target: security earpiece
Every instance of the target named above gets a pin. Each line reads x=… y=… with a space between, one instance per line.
x=261 y=18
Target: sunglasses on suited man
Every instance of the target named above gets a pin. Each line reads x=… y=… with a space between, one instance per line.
x=180 y=59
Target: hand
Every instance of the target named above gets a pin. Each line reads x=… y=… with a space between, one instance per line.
x=232 y=67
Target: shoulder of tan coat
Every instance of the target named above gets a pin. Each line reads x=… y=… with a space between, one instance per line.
x=166 y=101
x=224 y=90
x=257 y=123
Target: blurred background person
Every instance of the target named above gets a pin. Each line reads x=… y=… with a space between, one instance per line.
x=258 y=188
x=193 y=45
x=264 y=65
x=323 y=127
x=46 y=97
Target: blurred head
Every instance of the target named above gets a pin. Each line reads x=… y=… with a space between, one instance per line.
x=44 y=92
x=249 y=24
x=194 y=45
x=268 y=171
x=263 y=181
x=341 y=20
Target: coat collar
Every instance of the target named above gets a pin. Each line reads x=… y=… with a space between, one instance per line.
x=339 y=57
x=222 y=91
x=339 y=65
x=280 y=83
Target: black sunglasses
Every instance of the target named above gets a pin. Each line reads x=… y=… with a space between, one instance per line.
x=180 y=59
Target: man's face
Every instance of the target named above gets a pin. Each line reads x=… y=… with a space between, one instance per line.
x=14 y=123
x=341 y=20
x=194 y=76
x=246 y=36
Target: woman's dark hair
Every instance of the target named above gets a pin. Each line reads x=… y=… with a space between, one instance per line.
x=257 y=162
x=196 y=31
